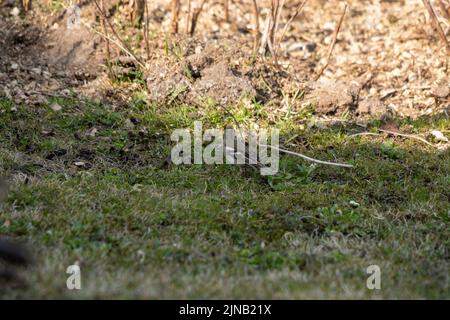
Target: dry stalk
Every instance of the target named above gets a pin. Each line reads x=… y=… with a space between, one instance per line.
x=227 y=11
x=436 y=24
x=410 y=136
x=175 y=15
x=265 y=35
x=137 y=8
x=332 y=44
x=26 y=5
x=115 y=42
x=195 y=16
x=297 y=154
x=397 y=134
x=278 y=9
x=188 y=16
x=298 y=10
x=146 y=19
x=444 y=9
x=256 y=31
x=270 y=29
x=123 y=45
x=108 y=49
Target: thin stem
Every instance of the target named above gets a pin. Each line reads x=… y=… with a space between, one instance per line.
x=256 y=34
x=175 y=14
x=332 y=44
x=436 y=24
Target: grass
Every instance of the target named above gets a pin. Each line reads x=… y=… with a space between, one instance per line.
x=141 y=230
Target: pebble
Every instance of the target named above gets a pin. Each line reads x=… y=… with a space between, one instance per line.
x=56 y=107
x=36 y=70
x=15 y=12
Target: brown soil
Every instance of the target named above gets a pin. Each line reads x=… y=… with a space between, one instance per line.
x=205 y=73
x=387 y=58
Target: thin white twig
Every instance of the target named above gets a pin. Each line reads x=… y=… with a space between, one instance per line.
x=287 y=151
x=407 y=136
x=404 y=135
x=364 y=134
x=309 y=158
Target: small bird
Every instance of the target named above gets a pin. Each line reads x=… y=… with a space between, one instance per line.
x=249 y=164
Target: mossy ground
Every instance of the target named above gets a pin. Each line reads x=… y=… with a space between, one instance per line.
x=140 y=230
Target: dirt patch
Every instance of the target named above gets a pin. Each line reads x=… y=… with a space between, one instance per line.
x=390 y=42
x=386 y=58
x=372 y=107
x=42 y=56
x=207 y=74
x=72 y=49
x=330 y=97
x=221 y=84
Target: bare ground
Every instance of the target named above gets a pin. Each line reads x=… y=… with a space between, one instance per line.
x=388 y=59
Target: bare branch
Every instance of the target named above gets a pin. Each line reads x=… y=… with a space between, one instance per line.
x=309 y=158
x=137 y=8
x=436 y=24
x=298 y=10
x=123 y=44
x=333 y=43
x=227 y=11
x=175 y=14
x=108 y=49
x=146 y=31
x=256 y=31
x=444 y=9
x=188 y=16
x=195 y=16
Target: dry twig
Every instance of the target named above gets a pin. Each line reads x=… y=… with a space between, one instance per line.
x=117 y=43
x=298 y=10
x=332 y=44
x=344 y=165
x=226 y=8
x=404 y=135
x=123 y=44
x=188 y=16
x=265 y=39
x=277 y=8
x=270 y=29
x=444 y=9
x=137 y=8
x=175 y=15
x=146 y=31
x=436 y=24
x=26 y=5
x=108 y=49
x=195 y=16
x=256 y=30
x=297 y=154
x=407 y=136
